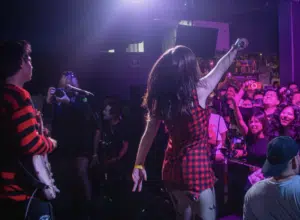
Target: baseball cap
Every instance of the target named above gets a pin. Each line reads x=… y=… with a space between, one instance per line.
x=280 y=151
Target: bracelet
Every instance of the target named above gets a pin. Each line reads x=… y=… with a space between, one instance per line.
x=140 y=167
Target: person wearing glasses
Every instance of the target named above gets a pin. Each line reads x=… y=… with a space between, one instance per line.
x=73 y=126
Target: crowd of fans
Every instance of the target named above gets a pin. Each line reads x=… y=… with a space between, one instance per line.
x=250 y=111
x=243 y=120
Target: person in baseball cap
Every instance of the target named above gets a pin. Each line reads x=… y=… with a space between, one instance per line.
x=281 y=152
x=276 y=197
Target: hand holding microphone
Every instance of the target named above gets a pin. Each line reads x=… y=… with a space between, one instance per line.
x=241 y=43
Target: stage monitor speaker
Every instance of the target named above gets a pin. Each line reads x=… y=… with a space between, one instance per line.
x=202 y=41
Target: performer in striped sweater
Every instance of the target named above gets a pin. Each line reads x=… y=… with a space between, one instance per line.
x=19 y=135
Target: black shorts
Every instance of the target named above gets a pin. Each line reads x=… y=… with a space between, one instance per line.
x=33 y=210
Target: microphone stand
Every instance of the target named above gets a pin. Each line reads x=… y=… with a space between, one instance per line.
x=226 y=154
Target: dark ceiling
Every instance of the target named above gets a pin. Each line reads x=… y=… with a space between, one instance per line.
x=61 y=23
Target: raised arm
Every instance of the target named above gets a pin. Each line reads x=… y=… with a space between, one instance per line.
x=209 y=82
x=239 y=119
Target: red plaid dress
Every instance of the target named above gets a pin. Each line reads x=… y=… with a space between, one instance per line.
x=187 y=164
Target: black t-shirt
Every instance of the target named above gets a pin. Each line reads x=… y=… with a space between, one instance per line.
x=74 y=124
x=257 y=151
x=113 y=137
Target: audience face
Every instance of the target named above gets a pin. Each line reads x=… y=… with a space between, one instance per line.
x=230 y=92
x=294 y=88
x=271 y=99
x=258 y=100
x=106 y=113
x=255 y=126
x=247 y=103
x=296 y=99
x=287 y=116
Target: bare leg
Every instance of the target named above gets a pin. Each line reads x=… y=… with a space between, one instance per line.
x=205 y=208
x=186 y=208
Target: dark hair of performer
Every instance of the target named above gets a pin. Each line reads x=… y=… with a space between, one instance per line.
x=21 y=140
x=176 y=94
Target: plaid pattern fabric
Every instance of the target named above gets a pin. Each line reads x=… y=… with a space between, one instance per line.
x=187 y=164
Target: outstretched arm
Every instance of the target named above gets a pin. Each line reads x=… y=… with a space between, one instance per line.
x=209 y=82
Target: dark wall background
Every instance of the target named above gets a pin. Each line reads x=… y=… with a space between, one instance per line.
x=260 y=27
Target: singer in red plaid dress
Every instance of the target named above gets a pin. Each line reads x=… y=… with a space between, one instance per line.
x=176 y=95
x=187 y=163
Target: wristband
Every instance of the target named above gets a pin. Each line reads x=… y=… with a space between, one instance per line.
x=140 y=167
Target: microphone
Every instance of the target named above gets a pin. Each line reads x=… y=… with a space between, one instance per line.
x=243 y=43
x=79 y=90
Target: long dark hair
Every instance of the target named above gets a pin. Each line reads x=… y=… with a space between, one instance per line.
x=276 y=129
x=260 y=115
x=171 y=82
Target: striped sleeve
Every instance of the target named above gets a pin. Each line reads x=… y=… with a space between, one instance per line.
x=25 y=124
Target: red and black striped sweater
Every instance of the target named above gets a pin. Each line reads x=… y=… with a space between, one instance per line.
x=19 y=138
